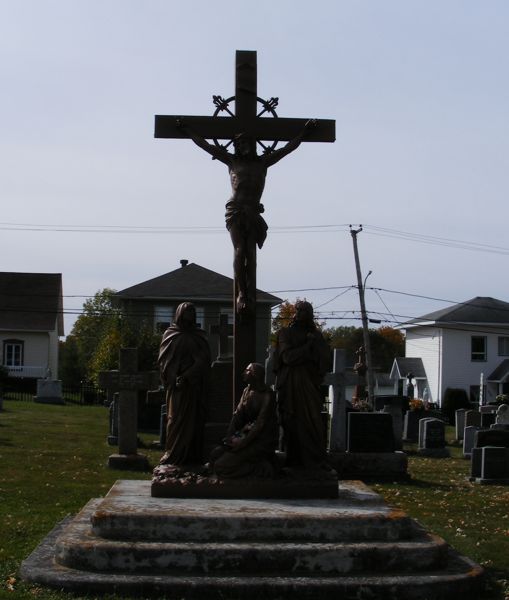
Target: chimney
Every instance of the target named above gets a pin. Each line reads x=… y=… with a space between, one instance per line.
x=183 y=262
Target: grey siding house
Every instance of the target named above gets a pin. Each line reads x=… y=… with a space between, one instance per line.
x=155 y=301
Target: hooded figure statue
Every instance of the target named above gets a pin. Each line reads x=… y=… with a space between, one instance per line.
x=184 y=362
x=302 y=358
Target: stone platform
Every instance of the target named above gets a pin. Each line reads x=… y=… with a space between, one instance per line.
x=169 y=481
x=355 y=546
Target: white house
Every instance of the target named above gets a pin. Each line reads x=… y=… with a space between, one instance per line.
x=405 y=369
x=31 y=321
x=459 y=345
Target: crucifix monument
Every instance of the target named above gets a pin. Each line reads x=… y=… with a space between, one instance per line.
x=244 y=130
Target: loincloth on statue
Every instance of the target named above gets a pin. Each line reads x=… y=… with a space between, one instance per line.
x=246 y=219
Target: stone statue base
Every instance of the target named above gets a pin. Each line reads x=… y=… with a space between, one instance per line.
x=170 y=481
x=353 y=546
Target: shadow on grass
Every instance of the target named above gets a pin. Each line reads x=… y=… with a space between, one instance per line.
x=423 y=484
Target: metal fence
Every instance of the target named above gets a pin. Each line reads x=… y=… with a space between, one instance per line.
x=25 y=391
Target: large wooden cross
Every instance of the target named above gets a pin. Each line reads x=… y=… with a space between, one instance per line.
x=247 y=121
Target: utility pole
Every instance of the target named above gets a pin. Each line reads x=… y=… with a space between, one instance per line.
x=365 y=330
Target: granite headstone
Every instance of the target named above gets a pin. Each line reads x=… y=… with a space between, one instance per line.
x=472 y=418
x=370 y=432
x=460 y=423
x=432 y=438
x=468 y=440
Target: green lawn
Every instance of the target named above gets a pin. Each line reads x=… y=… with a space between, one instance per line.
x=52 y=461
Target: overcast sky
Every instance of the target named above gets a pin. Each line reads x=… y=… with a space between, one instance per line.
x=419 y=92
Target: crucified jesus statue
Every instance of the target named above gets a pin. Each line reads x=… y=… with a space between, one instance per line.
x=244 y=221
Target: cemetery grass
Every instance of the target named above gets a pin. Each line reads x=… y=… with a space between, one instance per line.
x=472 y=518
x=53 y=460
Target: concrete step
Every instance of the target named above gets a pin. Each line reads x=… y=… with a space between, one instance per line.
x=128 y=513
x=132 y=544
x=460 y=577
x=78 y=548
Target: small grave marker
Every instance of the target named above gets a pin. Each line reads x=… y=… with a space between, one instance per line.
x=460 y=423
x=472 y=418
x=392 y=406
x=487 y=419
x=468 y=440
x=432 y=438
x=336 y=381
x=490 y=465
x=128 y=381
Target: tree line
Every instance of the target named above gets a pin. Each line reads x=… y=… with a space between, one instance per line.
x=102 y=329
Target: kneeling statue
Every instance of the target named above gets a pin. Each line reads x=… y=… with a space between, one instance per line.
x=252 y=438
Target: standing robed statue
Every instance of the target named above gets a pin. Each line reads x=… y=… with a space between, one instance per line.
x=302 y=358
x=184 y=362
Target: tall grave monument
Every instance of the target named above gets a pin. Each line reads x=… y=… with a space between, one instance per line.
x=243 y=123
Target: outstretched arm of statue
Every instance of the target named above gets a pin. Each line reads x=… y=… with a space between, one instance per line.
x=215 y=151
x=292 y=145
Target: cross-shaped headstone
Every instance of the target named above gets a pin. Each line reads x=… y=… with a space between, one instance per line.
x=247 y=187
x=336 y=380
x=127 y=381
x=224 y=330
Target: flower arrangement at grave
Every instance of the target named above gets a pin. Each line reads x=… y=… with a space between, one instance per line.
x=361 y=404
x=502 y=399
x=417 y=404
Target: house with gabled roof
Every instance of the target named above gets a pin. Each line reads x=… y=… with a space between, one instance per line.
x=155 y=301
x=31 y=322
x=405 y=369
x=458 y=347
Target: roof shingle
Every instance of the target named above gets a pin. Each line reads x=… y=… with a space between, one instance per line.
x=481 y=309
x=190 y=282
x=31 y=302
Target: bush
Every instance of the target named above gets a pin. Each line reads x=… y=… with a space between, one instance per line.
x=501 y=399
x=454 y=399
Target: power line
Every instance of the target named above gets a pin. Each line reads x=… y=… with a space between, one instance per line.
x=276 y=229
x=151 y=229
x=435 y=240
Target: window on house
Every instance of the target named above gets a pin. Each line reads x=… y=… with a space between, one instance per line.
x=503 y=346
x=163 y=316
x=478 y=348
x=200 y=317
x=13 y=353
